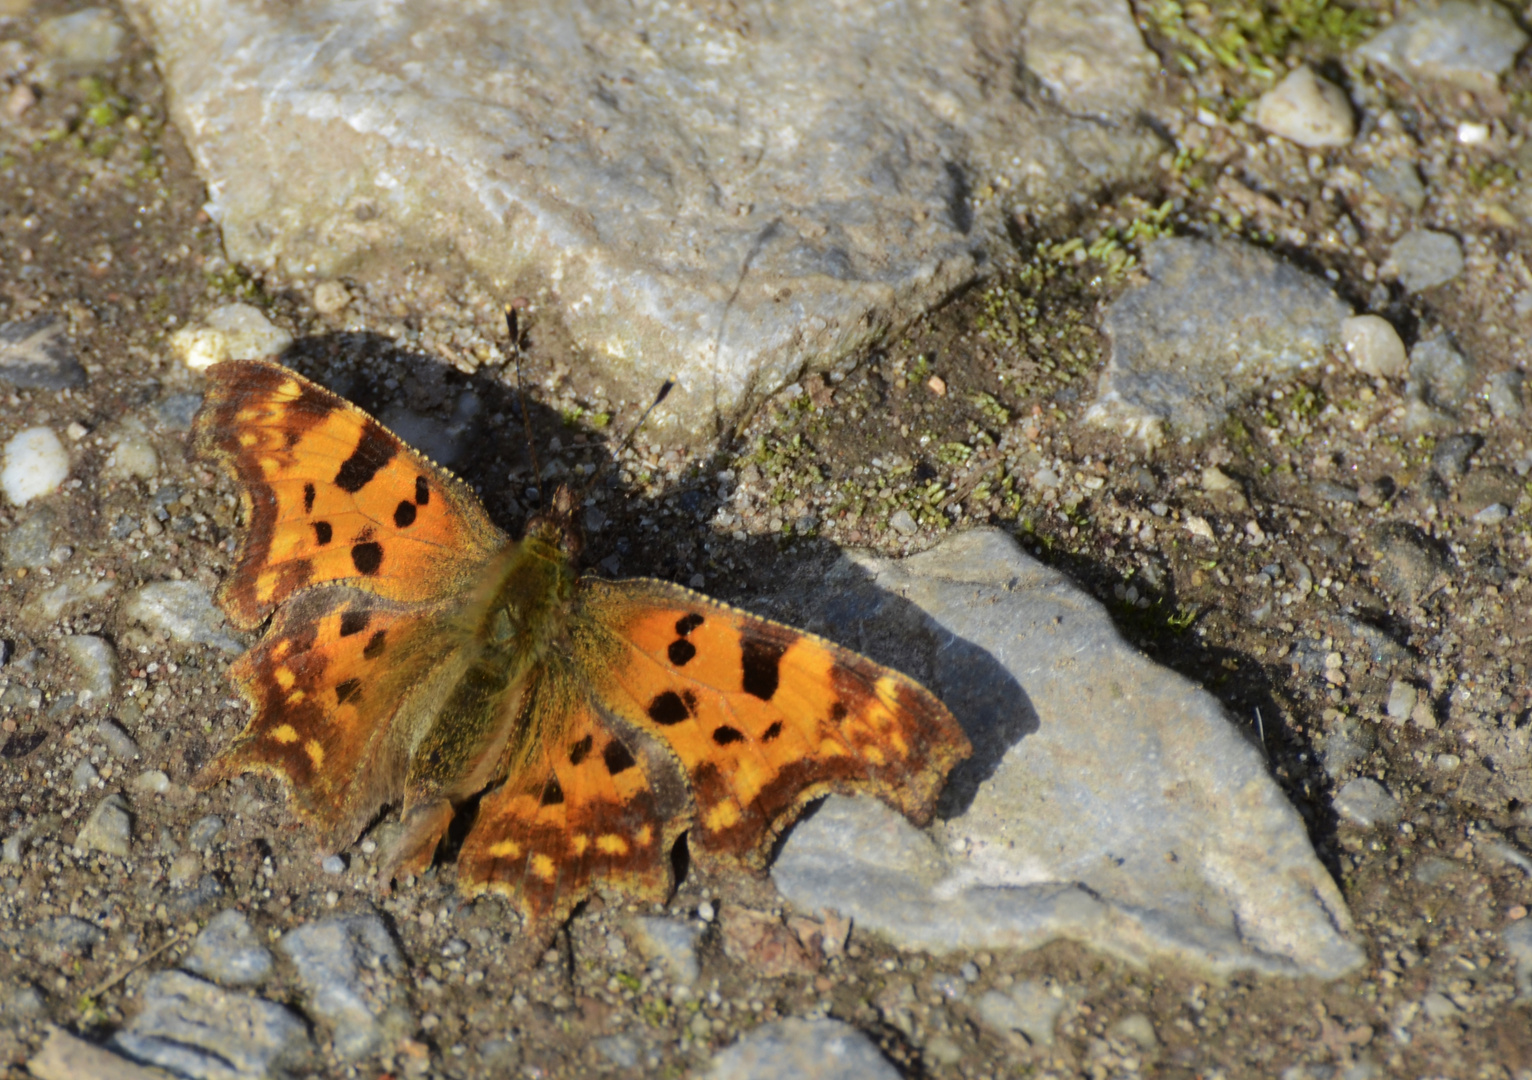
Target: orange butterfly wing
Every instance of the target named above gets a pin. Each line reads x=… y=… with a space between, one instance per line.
x=765 y=718
x=331 y=495
x=759 y=717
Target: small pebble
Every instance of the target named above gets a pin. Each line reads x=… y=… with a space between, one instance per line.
x=902 y=521
x=84 y=776
x=1366 y=802
x=1374 y=346
x=35 y=464
x=204 y=831
x=118 y=741
x=333 y=864
x=231 y=332
x=185 y=869
x=1401 y=701
x=82 y=40
x=109 y=828
x=1424 y=258
x=1493 y=514
x=152 y=782
x=95 y=665
x=331 y=297
x=705 y=911
x=1306 y=109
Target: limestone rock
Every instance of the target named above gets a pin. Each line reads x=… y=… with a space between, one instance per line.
x=1108 y=800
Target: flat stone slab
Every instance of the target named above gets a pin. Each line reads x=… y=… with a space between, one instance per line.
x=709 y=196
x=1108 y=801
x=1213 y=321
x=794 y=1049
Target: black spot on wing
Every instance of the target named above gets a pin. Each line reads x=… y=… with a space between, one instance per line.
x=772 y=732
x=552 y=793
x=617 y=757
x=687 y=623
x=347 y=691
x=374 y=647
x=375 y=450
x=760 y=662
x=725 y=735
x=308 y=498
x=838 y=711
x=422 y=491
x=580 y=750
x=668 y=708
x=354 y=622
x=369 y=556
x=681 y=651
x=404 y=514
x=323 y=533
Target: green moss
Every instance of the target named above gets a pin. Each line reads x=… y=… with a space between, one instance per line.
x=1254 y=37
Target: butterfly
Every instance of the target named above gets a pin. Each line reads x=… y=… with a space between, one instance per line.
x=416 y=656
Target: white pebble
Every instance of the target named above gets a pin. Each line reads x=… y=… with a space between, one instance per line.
x=1401 y=700
x=1374 y=346
x=232 y=332
x=36 y=463
x=331 y=297
x=1307 y=110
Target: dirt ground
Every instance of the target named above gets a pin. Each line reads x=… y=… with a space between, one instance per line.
x=1302 y=636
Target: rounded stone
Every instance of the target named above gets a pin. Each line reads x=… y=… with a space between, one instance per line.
x=1308 y=110
x=1374 y=346
x=35 y=464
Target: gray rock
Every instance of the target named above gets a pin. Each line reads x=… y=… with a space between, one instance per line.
x=619 y=1050
x=196 y=1030
x=204 y=831
x=56 y=940
x=1306 y=109
x=1401 y=700
x=176 y=411
x=1423 y=258
x=86 y=39
x=84 y=776
x=330 y=955
x=1439 y=381
x=95 y=666
x=109 y=828
x=1108 y=800
x=677 y=194
x=184 y=610
x=1366 y=803
x=903 y=522
x=28 y=543
x=670 y=941
x=36 y=353
x=1214 y=321
x=1502 y=391
x=1027 y=1007
x=1398 y=180
x=1450 y=458
x=228 y=952
x=1517 y=939
x=35 y=464
x=1466 y=44
x=1349 y=742
x=22 y=1002
x=119 y=742
x=794 y=1049
x=65 y=1057
x=1090 y=56
x=1404 y=560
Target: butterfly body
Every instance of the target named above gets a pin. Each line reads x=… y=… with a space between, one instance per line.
x=418 y=657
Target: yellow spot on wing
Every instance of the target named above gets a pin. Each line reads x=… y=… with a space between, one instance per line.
x=315 y=752
x=285 y=678
x=248 y=438
x=644 y=835
x=543 y=867
x=296 y=697
x=612 y=844
x=722 y=816
x=284 y=734
x=505 y=849
x=579 y=842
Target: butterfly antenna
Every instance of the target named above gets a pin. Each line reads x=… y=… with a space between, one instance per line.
x=513 y=328
x=664 y=392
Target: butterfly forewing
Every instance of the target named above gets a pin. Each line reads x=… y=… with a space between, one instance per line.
x=764 y=717
x=332 y=495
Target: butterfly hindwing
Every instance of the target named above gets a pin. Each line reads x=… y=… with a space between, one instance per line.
x=331 y=495
x=763 y=717
x=588 y=807
x=328 y=683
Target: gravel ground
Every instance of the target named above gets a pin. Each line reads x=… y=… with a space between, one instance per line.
x=1335 y=573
